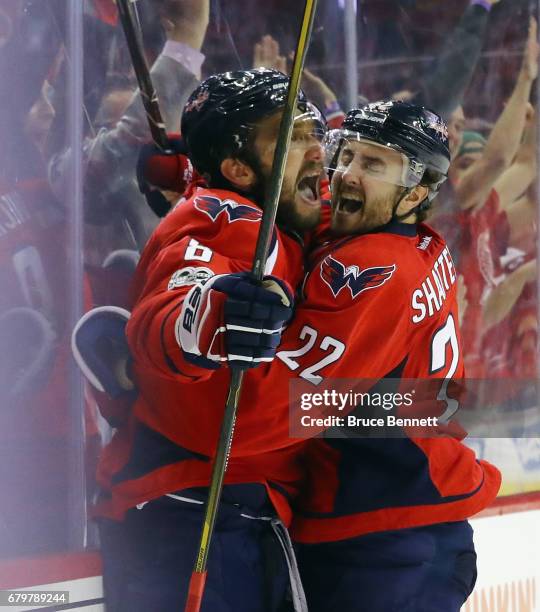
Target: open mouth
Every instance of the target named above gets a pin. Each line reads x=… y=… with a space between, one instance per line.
x=308 y=188
x=349 y=204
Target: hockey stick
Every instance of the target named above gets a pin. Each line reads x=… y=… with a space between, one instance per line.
x=127 y=13
x=146 y=87
x=198 y=576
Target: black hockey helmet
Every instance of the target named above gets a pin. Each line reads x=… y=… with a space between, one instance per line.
x=417 y=132
x=220 y=113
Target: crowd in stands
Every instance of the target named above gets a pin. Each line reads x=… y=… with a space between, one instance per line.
x=473 y=61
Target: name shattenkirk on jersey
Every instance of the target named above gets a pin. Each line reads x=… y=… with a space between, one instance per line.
x=429 y=298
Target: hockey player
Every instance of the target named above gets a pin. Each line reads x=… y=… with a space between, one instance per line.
x=382 y=525
x=185 y=336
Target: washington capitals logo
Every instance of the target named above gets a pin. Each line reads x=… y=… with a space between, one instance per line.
x=337 y=276
x=213 y=207
x=198 y=102
x=434 y=122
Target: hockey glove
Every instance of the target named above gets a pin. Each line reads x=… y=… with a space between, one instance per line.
x=233 y=319
x=157 y=171
x=101 y=351
x=100 y=348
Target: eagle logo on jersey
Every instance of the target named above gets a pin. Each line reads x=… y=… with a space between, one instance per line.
x=337 y=276
x=213 y=207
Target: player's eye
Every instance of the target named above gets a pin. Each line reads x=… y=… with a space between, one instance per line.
x=346 y=157
x=374 y=166
x=302 y=132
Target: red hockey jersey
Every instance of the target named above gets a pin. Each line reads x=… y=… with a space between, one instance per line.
x=380 y=305
x=484 y=239
x=172 y=433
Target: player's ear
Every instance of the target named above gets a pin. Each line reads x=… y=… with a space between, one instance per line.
x=238 y=173
x=413 y=199
x=417 y=195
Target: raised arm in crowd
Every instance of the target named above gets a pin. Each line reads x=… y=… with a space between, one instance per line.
x=110 y=156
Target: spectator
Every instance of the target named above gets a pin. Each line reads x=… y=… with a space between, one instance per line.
x=110 y=156
x=486 y=179
x=473 y=186
x=266 y=53
x=445 y=85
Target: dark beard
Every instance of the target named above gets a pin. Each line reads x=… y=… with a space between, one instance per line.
x=289 y=218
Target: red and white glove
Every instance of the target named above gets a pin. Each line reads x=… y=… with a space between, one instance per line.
x=158 y=171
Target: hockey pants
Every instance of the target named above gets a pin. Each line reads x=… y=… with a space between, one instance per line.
x=426 y=569
x=148 y=558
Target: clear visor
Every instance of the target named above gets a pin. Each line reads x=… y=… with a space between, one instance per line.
x=309 y=128
x=348 y=151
